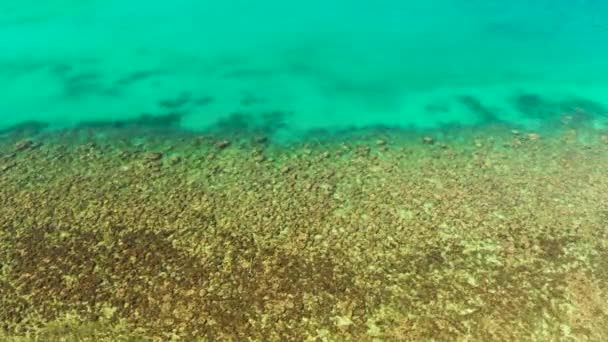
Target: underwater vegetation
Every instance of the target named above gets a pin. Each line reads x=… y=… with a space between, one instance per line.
x=473 y=104
x=249 y=117
x=27 y=128
x=144 y=120
x=248 y=124
x=535 y=106
x=381 y=234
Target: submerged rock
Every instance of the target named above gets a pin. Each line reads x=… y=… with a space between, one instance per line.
x=154 y=156
x=24 y=145
x=124 y=154
x=363 y=151
x=7 y=167
x=222 y=144
x=260 y=158
x=260 y=139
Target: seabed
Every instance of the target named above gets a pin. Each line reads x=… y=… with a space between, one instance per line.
x=124 y=233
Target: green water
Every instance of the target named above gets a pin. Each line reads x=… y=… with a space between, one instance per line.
x=420 y=64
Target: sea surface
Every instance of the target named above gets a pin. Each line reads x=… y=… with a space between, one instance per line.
x=322 y=65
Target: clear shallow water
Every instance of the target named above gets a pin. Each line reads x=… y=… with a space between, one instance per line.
x=489 y=233
x=421 y=64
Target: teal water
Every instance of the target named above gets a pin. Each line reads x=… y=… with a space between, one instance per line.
x=421 y=63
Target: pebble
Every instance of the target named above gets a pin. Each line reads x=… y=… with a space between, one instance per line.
x=285 y=169
x=7 y=167
x=516 y=143
x=24 y=145
x=222 y=144
x=260 y=158
x=124 y=154
x=154 y=156
x=363 y=150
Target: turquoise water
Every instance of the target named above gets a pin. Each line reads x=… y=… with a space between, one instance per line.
x=419 y=195
x=314 y=64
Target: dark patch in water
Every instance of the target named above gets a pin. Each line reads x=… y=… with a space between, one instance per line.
x=27 y=127
x=248 y=73
x=240 y=123
x=181 y=100
x=144 y=120
x=137 y=76
x=370 y=89
x=584 y=106
x=84 y=77
x=475 y=106
x=249 y=99
x=61 y=70
x=326 y=135
x=81 y=78
x=534 y=106
x=235 y=122
x=273 y=121
x=20 y=68
x=84 y=84
x=204 y=101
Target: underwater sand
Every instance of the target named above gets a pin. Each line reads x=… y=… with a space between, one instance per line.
x=484 y=234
